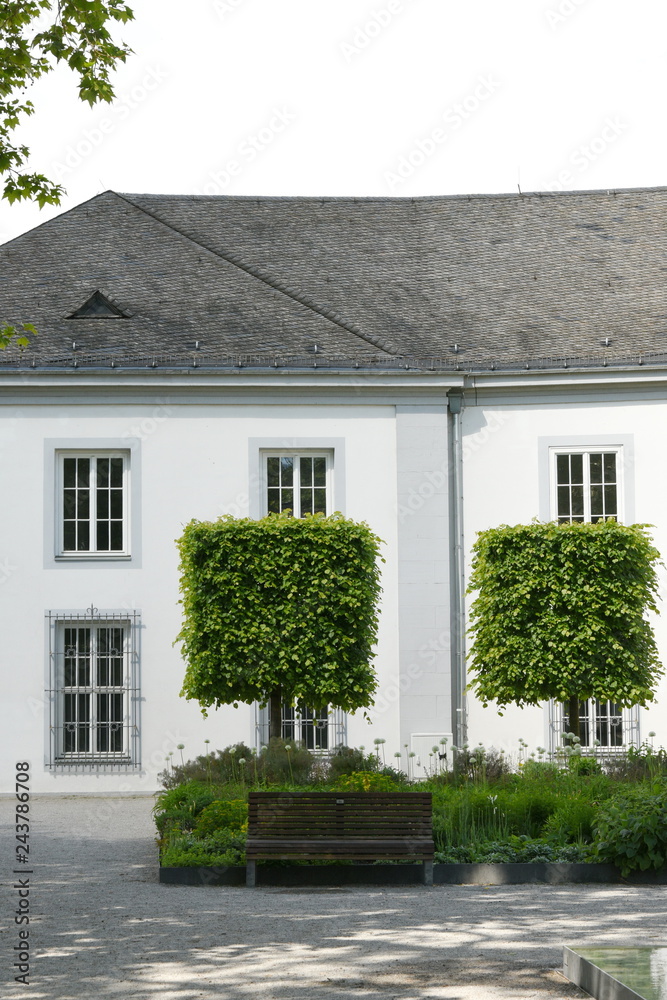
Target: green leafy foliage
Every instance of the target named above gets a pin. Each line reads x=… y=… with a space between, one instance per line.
x=11 y=334
x=225 y=847
x=560 y=613
x=516 y=849
x=178 y=808
x=367 y=781
x=631 y=829
x=279 y=603
x=34 y=38
x=229 y=814
x=572 y=822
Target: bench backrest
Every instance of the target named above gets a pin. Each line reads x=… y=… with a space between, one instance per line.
x=368 y=815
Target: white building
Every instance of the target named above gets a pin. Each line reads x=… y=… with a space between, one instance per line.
x=433 y=367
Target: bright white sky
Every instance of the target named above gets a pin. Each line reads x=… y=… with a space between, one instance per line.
x=392 y=97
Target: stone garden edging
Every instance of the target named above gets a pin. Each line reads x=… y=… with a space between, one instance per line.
x=443 y=874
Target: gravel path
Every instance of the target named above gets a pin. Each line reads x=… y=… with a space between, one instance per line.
x=103 y=927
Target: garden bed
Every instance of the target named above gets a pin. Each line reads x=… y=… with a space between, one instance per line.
x=443 y=874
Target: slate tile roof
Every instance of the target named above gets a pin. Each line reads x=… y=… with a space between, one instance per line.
x=510 y=280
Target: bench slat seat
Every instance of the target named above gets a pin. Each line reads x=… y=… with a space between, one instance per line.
x=355 y=826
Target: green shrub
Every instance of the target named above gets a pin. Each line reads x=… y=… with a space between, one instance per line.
x=571 y=823
x=637 y=763
x=518 y=850
x=631 y=829
x=178 y=808
x=217 y=768
x=583 y=766
x=350 y=760
x=225 y=847
x=276 y=764
x=367 y=781
x=223 y=814
x=479 y=765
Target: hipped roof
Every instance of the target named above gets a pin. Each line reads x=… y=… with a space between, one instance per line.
x=473 y=282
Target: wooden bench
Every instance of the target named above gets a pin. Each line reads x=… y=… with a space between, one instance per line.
x=351 y=826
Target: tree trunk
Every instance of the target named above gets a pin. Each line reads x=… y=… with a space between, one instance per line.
x=573 y=716
x=276 y=714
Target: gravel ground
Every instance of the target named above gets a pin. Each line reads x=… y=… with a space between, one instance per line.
x=103 y=927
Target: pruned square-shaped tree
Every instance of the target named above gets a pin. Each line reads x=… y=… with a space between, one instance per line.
x=280 y=609
x=561 y=613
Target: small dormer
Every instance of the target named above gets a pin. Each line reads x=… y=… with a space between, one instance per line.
x=98 y=306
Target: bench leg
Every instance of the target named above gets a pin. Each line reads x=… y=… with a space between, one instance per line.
x=251 y=874
x=428 y=873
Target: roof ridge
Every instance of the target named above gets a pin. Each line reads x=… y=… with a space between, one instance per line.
x=290 y=292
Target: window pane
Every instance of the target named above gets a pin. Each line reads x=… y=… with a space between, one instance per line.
x=102 y=503
x=83 y=472
x=610 y=501
x=69 y=472
x=576 y=468
x=596 y=468
x=273 y=471
x=564 y=503
x=577 y=495
x=610 y=467
x=83 y=536
x=102 y=472
x=562 y=469
x=306 y=472
x=69 y=536
x=320 y=501
x=273 y=501
x=116 y=505
x=103 y=536
x=320 y=472
x=287 y=500
x=597 y=509
x=306 y=502
x=116 y=541
x=287 y=471
x=116 y=473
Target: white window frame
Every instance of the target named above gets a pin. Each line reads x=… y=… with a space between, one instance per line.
x=629 y=728
x=59 y=756
x=297 y=454
x=92 y=552
x=554 y=452
x=629 y=716
x=292 y=720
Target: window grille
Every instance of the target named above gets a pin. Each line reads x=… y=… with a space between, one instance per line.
x=320 y=731
x=611 y=726
x=93 y=693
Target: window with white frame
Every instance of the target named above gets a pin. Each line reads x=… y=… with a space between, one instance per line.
x=299 y=482
x=319 y=730
x=93 y=503
x=93 y=693
x=586 y=485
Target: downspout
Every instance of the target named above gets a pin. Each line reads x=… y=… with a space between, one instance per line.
x=455 y=400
